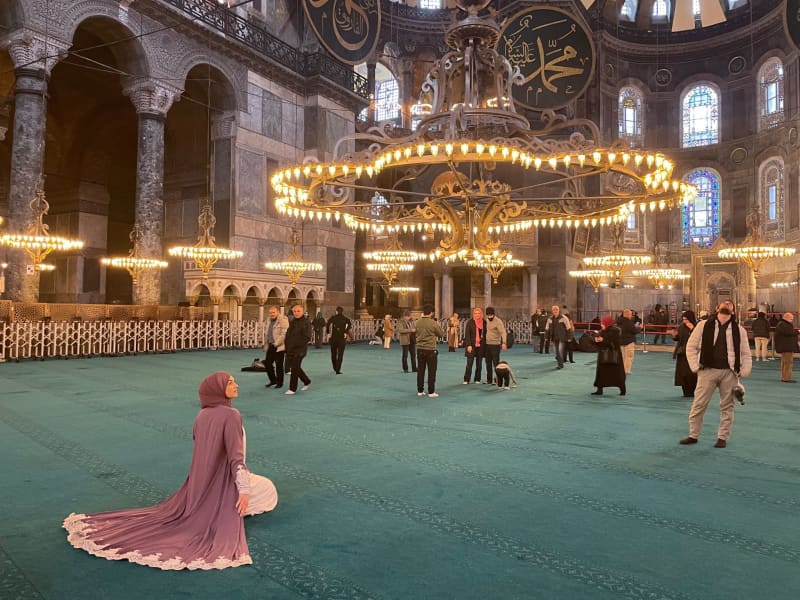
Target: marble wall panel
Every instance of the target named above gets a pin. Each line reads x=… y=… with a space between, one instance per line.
x=251 y=183
x=272 y=115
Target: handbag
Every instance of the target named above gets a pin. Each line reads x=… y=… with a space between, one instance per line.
x=608 y=356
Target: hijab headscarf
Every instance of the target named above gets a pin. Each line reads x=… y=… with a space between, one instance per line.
x=607 y=321
x=690 y=315
x=212 y=390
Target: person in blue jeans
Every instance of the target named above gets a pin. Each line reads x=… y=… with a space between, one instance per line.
x=557 y=331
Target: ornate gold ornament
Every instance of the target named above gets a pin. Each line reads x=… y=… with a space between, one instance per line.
x=135 y=263
x=37 y=241
x=294 y=266
x=467 y=152
x=754 y=251
x=205 y=253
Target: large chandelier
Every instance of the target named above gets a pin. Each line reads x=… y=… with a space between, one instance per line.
x=38 y=242
x=134 y=263
x=205 y=253
x=594 y=277
x=754 y=250
x=294 y=266
x=392 y=260
x=466 y=150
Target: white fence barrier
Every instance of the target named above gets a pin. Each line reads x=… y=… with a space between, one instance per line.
x=70 y=339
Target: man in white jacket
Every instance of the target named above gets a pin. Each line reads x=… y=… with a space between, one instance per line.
x=718 y=351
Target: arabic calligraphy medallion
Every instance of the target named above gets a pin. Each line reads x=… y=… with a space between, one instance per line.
x=554 y=53
x=347 y=28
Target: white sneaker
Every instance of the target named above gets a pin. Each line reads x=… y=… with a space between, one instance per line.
x=433 y=395
x=466 y=383
x=476 y=382
x=305 y=387
x=420 y=393
x=289 y=393
x=506 y=388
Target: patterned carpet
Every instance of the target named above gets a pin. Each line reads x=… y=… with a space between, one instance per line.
x=540 y=492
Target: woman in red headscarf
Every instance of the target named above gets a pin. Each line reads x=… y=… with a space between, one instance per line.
x=610 y=370
x=201 y=525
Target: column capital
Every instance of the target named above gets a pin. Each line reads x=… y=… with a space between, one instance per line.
x=223 y=126
x=437 y=276
x=532 y=269
x=150 y=96
x=406 y=64
x=34 y=51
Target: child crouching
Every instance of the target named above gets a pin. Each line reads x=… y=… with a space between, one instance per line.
x=504 y=375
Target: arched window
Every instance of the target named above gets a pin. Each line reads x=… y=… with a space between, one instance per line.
x=387 y=93
x=701 y=217
x=631 y=112
x=379 y=205
x=660 y=10
x=628 y=10
x=770 y=97
x=700 y=116
x=430 y=4
x=772 y=205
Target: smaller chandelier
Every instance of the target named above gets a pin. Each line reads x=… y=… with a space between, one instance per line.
x=404 y=289
x=754 y=256
x=38 y=242
x=617 y=260
x=662 y=277
x=390 y=270
x=45 y=267
x=495 y=262
x=134 y=263
x=205 y=253
x=783 y=284
x=595 y=277
x=294 y=266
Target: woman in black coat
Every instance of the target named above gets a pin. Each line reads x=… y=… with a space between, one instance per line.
x=683 y=374
x=613 y=374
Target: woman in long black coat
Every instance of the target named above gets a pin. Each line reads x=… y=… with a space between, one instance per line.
x=609 y=375
x=683 y=374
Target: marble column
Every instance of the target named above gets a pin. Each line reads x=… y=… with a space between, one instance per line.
x=152 y=101
x=31 y=55
x=223 y=131
x=447 y=294
x=487 y=289
x=407 y=66
x=437 y=295
x=533 y=290
x=260 y=312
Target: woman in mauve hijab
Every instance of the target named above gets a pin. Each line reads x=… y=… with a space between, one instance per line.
x=200 y=526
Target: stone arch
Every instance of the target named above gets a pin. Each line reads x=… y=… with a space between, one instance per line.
x=275 y=297
x=193 y=58
x=251 y=303
x=200 y=295
x=102 y=20
x=12 y=15
x=312 y=303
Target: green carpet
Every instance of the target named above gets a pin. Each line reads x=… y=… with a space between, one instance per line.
x=540 y=492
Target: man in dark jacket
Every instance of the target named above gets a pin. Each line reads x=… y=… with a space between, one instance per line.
x=660 y=321
x=627 y=339
x=558 y=330
x=338 y=329
x=760 y=328
x=428 y=334
x=319 y=329
x=541 y=322
x=786 y=345
x=297 y=338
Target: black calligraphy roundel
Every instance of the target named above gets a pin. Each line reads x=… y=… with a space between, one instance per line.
x=554 y=53
x=791 y=20
x=347 y=28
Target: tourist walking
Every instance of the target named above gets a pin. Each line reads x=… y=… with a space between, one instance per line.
x=610 y=370
x=557 y=331
x=428 y=334
x=388 y=331
x=319 y=329
x=408 y=341
x=760 y=328
x=659 y=320
x=277 y=325
x=786 y=345
x=495 y=341
x=339 y=329
x=453 y=324
x=718 y=351
x=297 y=338
x=684 y=377
x=541 y=327
x=474 y=344
x=627 y=339
x=200 y=526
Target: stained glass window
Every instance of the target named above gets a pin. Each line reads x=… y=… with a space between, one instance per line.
x=700 y=122
x=628 y=10
x=770 y=80
x=630 y=115
x=701 y=217
x=772 y=204
x=660 y=9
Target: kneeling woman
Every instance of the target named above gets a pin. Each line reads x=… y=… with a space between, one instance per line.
x=610 y=370
x=201 y=525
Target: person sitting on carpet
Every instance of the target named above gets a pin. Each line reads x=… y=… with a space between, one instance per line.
x=201 y=525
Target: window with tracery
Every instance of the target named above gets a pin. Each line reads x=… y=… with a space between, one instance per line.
x=632 y=235
x=772 y=199
x=379 y=205
x=660 y=10
x=628 y=10
x=631 y=112
x=701 y=217
x=387 y=94
x=700 y=116
x=430 y=4
x=696 y=8
x=770 y=99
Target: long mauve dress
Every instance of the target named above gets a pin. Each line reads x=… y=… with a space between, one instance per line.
x=197 y=527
